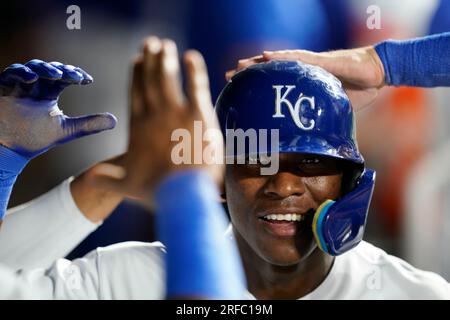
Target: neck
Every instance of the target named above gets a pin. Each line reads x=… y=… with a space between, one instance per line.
x=268 y=281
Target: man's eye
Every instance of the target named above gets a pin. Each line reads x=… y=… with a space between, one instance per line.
x=311 y=161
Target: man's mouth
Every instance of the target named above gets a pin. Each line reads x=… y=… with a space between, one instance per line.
x=284 y=217
x=286 y=224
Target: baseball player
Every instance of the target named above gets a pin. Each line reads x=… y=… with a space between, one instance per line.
x=298 y=231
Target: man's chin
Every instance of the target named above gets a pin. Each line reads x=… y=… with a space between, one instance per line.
x=284 y=263
x=288 y=257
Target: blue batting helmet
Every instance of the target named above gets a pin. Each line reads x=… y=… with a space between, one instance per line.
x=313 y=115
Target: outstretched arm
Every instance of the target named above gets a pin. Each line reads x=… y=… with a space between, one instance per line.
x=423 y=62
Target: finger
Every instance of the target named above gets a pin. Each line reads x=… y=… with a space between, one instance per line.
x=283 y=55
x=170 y=74
x=152 y=85
x=197 y=82
x=137 y=89
x=76 y=127
x=87 y=78
x=244 y=63
x=17 y=73
x=229 y=74
x=70 y=74
x=44 y=70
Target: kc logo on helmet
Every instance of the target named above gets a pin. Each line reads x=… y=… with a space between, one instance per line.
x=299 y=119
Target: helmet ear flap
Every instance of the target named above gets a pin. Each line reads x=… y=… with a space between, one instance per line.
x=338 y=226
x=351 y=174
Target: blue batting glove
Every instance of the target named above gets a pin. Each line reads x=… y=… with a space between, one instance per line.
x=30 y=120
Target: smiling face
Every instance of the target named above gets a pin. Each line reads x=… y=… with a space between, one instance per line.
x=262 y=207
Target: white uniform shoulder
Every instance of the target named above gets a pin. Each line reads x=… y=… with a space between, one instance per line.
x=394 y=278
x=367 y=272
x=133 y=247
x=131 y=270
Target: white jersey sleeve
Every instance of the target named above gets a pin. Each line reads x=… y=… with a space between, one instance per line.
x=129 y=270
x=35 y=234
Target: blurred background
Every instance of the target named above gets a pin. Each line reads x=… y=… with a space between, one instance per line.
x=404 y=135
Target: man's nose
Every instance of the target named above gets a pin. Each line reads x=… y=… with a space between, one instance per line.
x=283 y=185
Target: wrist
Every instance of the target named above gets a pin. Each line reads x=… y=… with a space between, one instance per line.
x=11 y=164
x=378 y=66
x=182 y=183
x=188 y=216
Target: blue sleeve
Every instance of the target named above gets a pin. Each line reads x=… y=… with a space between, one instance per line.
x=421 y=62
x=11 y=164
x=200 y=261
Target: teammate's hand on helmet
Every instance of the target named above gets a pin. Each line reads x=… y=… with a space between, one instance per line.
x=158 y=108
x=360 y=70
x=30 y=120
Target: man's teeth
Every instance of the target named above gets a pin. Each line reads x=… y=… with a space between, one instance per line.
x=285 y=217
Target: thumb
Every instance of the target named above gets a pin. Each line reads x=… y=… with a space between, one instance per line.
x=76 y=127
